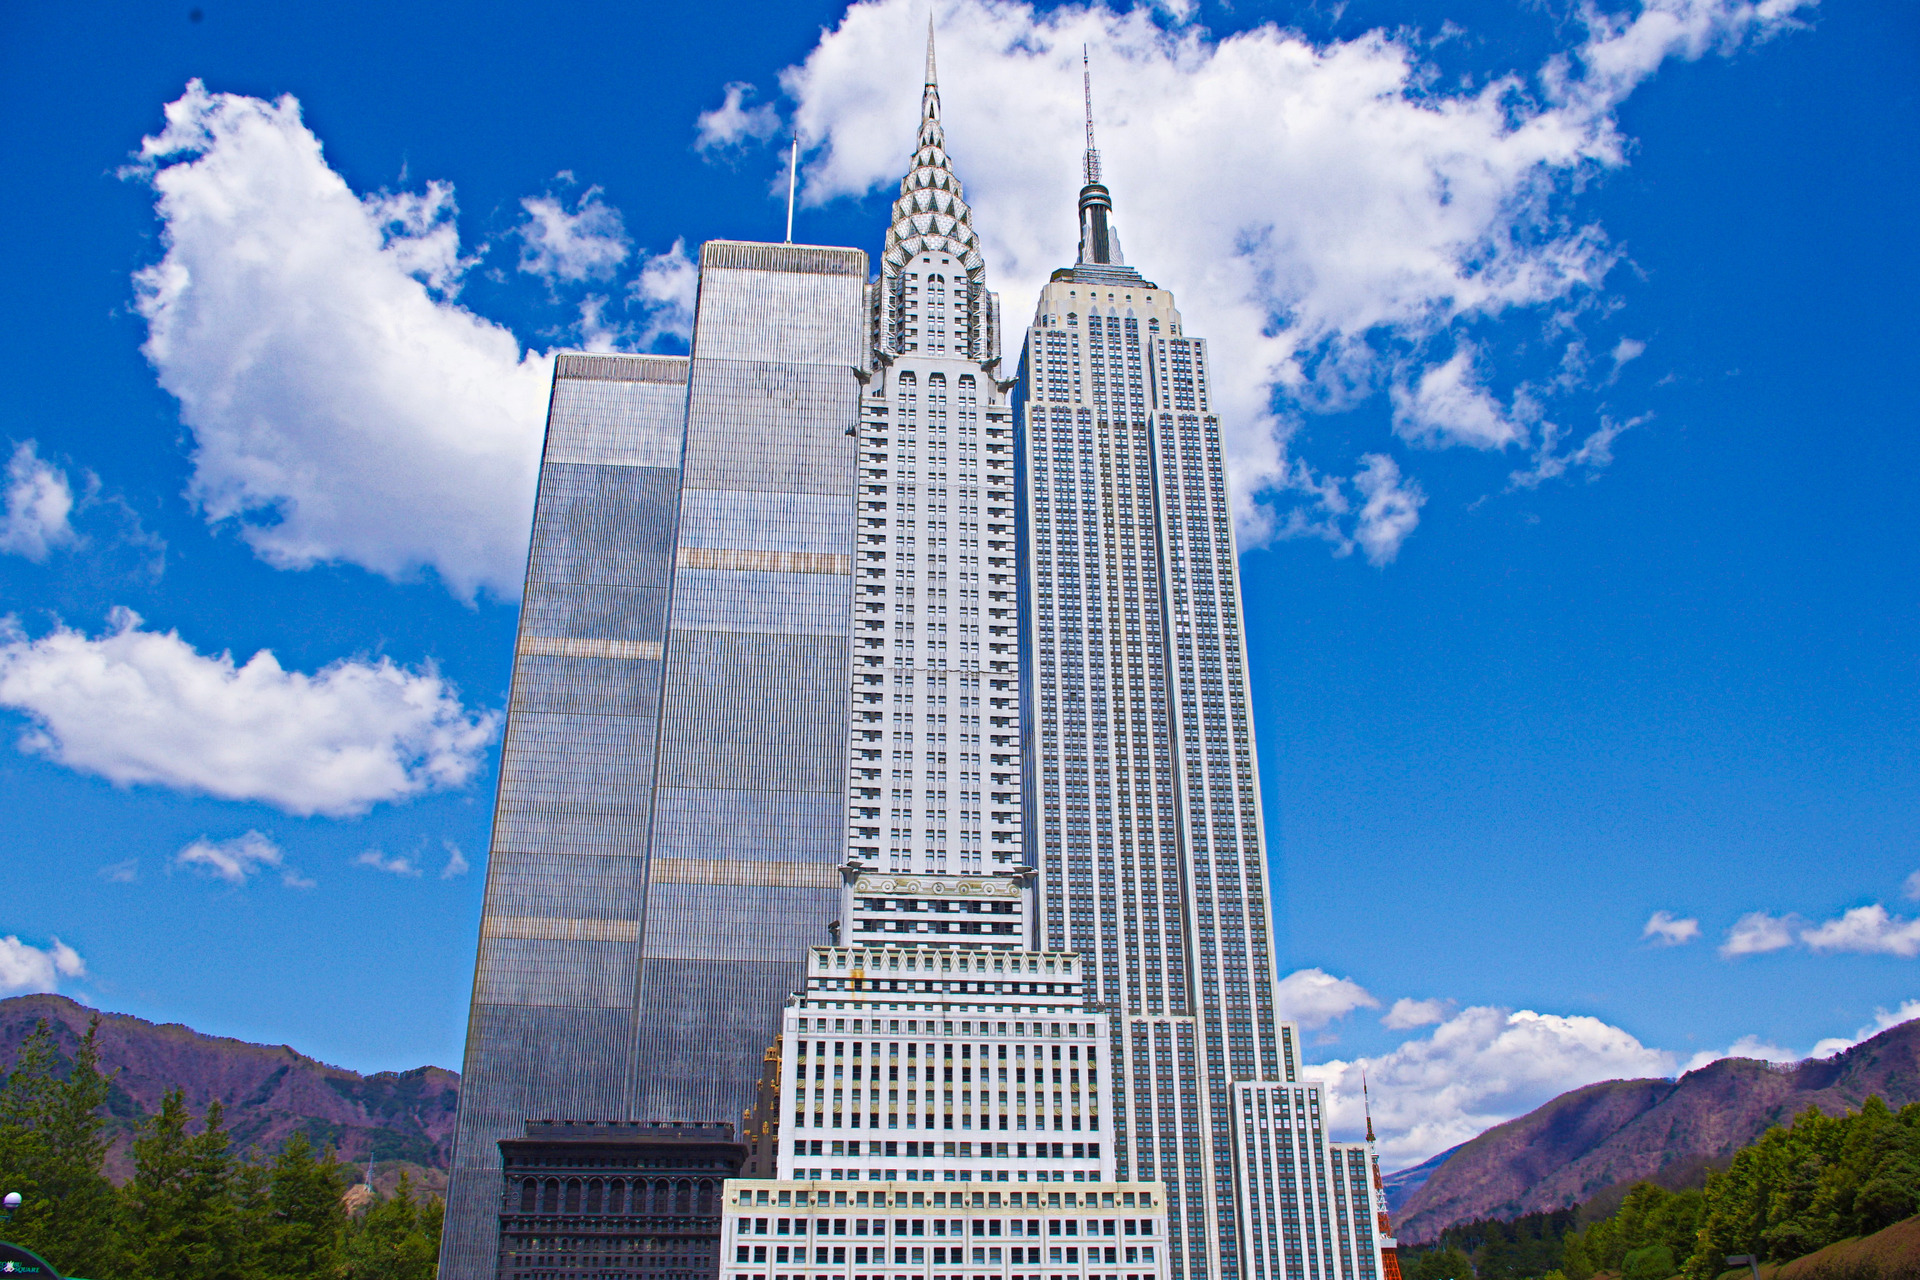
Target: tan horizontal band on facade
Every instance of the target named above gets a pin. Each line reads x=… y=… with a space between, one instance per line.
x=744 y=560
x=560 y=929
x=622 y=368
x=781 y=875
x=583 y=647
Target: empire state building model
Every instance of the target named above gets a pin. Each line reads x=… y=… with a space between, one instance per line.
x=1142 y=783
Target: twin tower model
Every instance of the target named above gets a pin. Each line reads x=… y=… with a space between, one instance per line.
x=874 y=698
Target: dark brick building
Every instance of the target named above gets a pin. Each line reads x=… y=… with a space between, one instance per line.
x=614 y=1200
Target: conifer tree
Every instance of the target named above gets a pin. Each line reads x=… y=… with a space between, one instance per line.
x=51 y=1148
x=188 y=1204
x=301 y=1234
x=398 y=1238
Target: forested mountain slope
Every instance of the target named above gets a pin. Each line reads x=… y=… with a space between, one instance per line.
x=1606 y=1135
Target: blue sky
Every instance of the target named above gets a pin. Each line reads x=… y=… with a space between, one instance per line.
x=1568 y=358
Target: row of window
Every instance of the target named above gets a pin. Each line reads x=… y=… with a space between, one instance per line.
x=906 y=1227
x=905 y=1255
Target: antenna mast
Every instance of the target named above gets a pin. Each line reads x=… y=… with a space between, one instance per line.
x=793 y=171
x=1086 y=84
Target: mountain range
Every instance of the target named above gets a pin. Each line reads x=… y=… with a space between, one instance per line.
x=1587 y=1146
x=403 y=1121
x=1583 y=1147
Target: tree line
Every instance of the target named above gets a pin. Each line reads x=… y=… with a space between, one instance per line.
x=1793 y=1191
x=194 y=1209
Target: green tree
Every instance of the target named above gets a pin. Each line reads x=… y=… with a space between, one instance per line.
x=51 y=1147
x=397 y=1238
x=1449 y=1263
x=1575 y=1262
x=303 y=1219
x=189 y=1206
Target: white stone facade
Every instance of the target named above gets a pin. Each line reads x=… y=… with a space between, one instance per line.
x=811 y=1230
x=943 y=1064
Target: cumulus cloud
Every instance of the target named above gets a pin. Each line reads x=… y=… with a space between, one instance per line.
x=1314 y=997
x=1910 y=887
x=1664 y=930
x=1321 y=210
x=126 y=871
x=393 y=866
x=343 y=406
x=456 y=865
x=26 y=969
x=1868 y=930
x=238 y=860
x=39 y=504
x=733 y=122
x=1391 y=510
x=1408 y=1013
x=1478 y=1068
x=1627 y=349
x=143 y=707
x=1745 y=1047
x=1883 y=1020
x=1757 y=933
x=666 y=289
x=1449 y=405
x=588 y=242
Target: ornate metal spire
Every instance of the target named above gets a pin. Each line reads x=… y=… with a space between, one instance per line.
x=931 y=215
x=933 y=76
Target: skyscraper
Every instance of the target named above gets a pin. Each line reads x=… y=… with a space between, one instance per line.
x=824 y=634
x=668 y=829
x=1141 y=781
x=934 y=745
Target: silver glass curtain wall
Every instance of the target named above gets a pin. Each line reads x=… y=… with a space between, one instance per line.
x=669 y=817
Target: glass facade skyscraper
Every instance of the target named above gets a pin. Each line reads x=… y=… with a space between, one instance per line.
x=669 y=821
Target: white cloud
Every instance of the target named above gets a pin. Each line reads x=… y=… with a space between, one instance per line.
x=457 y=864
x=588 y=243
x=1391 y=510
x=1318 y=209
x=1745 y=1047
x=125 y=872
x=1883 y=1019
x=39 y=502
x=1664 y=930
x=1757 y=933
x=1449 y=405
x=343 y=407
x=1910 y=887
x=25 y=968
x=733 y=122
x=1867 y=930
x=666 y=288
x=1550 y=462
x=396 y=865
x=1479 y=1068
x=1408 y=1013
x=143 y=707
x=1314 y=997
x=238 y=860
x=1627 y=349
